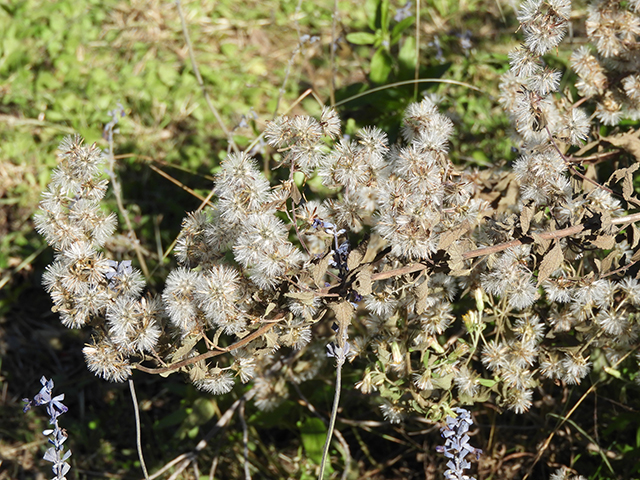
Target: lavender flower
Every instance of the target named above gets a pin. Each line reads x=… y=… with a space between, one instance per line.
x=57 y=436
x=403 y=12
x=340 y=354
x=456 y=446
x=340 y=252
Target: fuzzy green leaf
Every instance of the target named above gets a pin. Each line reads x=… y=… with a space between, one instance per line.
x=361 y=38
x=313 y=432
x=381 y=65
x=399 y=28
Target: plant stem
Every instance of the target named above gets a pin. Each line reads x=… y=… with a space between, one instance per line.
x=136 y=412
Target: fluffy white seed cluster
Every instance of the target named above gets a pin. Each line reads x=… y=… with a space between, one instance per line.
x=510 y=277
x=542 y=124
x=265 y=257
x=85 y=286
x=608 y=75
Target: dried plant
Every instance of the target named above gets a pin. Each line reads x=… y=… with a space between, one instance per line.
x=540 y=259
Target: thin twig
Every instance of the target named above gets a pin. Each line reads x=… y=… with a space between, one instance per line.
x=332 y=420
x=213 y=353
x=117 y=192
x=416 y=73
x=180 y=184
x=245 y=441
x=287 y=70
x=480 y=252
x=181 y=468
x=332 y=54
x=196 y=71
x=27 y=261
x=136 y=412
x=291 y=107
x=338 y=434
x=222 y=422
x=410 y=82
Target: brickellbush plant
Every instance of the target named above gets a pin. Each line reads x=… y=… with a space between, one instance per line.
x=383 y=240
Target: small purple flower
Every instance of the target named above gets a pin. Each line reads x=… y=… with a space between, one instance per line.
x=340 y=354
x=340 y=252
x=403 y=12
x=57 y=435
x=118 y=269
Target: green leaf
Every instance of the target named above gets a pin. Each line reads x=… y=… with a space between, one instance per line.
x=202 y=411
x=313 y=433
x=613 y=372
x=174 y=418
x=443 y=383
x=381 y=65
x=487 y=382
x=371 y=10
x=361 y=38
x=384 y=16
x=407 y=54
x=401 y=27
x=481 y=158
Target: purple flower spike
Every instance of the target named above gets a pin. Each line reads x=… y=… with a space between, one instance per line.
x=57 y=436
x=456 y=446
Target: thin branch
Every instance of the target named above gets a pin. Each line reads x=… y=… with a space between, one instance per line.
x=222 y=422
x=332 y=54
x=416 y=72
x=334 y=414
x=196 y=71
x=117 y=192
x=245 y=441
x=304 y=95
x=594 y=159
x=136 y=412
x=347 y=451
x=180 y=184
x=212 y=353
x=480 y=252
x=287 y=71
x=409 y=82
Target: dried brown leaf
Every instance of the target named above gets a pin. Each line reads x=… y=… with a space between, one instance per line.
x=319 y=270
x=362 y=285
x=456 y=261
x=626 y=174
x=356 y=255
x=634 y=235
x=550 y=262
x=628 y=140
x=269 y=309
x=605 y=242
x=525 y=217
x=295 y=194
x=422 y=292
x=448 y=237
x=344 y=313
x=304 y=297
x=188 y=344
x=271 y=339
x=605 y=264
x=510 y=197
